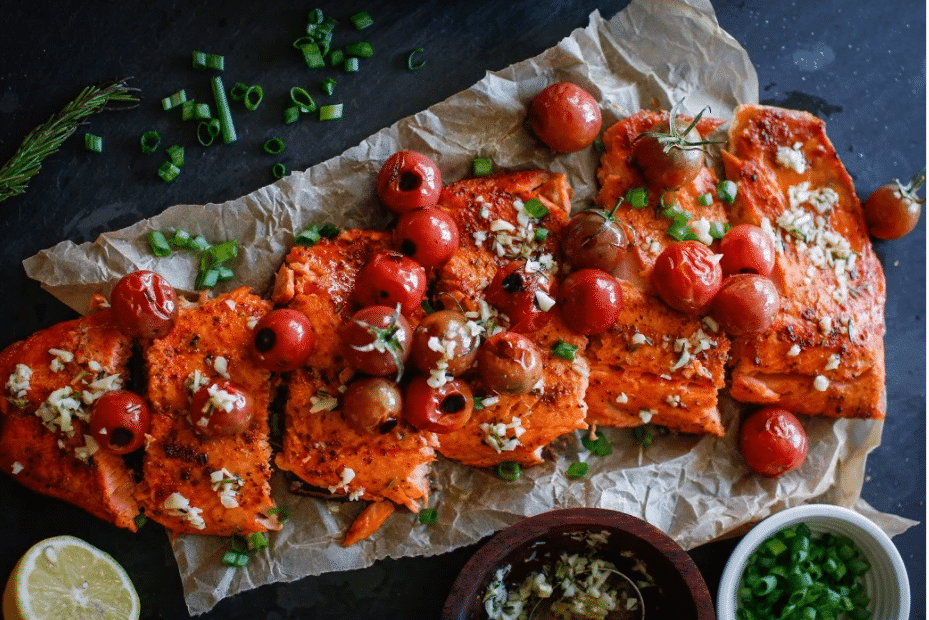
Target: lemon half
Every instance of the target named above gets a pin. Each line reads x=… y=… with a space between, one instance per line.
x=65 y=577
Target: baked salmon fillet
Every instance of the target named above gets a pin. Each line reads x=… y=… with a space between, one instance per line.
x=197 y=484
x=824 y=354
x=52 y=380
x=320 y=445
x=655 y=365
x=495 y=230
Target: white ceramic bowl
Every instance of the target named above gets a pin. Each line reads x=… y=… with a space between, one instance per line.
x=886 y=582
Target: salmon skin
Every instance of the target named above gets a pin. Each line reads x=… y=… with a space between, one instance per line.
x=51 y=380
x=655 y=365
x=197 y=484
x=824 y=354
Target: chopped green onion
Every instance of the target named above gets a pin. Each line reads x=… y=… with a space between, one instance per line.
x=315 y=17
x=257 y=541
x=282 y=513
x=598 y=144
x=203 y=61
x=351 y=65
x=278 y=170
x=564 y=350
x=478 y=404
x=222 y=109
x=199 y=243
x=428 y=309
x=237 y=559
x=308 y=237
x=181 y=238
x=175 y=153
x=359 y=49
x=224 y=273
x=637 y=197
x=328 y=85
x=681 y=231
x=93 y=143
x=168 y=171
x=174 y=100
x=207 y=279
x=541 y=234
x=336 y=57
x=238 y=91
x=202 y=112
x=207 y=131
x=274 y=146
x=705 y=200
x=727 y=190
x=312 y=54
x=599 y=446
x=224 y=251
x=330 y=112
x=188 y=110
x=576 y=470
x=535 y=208
x=302 y=100
x=329 y=231
x=643 y=434
x=481 y=166
x=409 y=60
x=509 y=470
x=428 y=516
x=361 y=20
x=140 y=520
x=253 y=96
x=159 y=244
x=291 y=114
x=718 y=230
x=150 y=141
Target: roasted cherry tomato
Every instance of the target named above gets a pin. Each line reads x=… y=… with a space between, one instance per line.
x=670 y=157
x=407 y=181
x=509 y=363
x=893 y=210
x=377 y=341
x=441 y=409
x=373 y=405
x=428 y=236
x=119 y=421
x=773 y=442
x=390 y=278
x=565 y=117
x=590 y=301
x=144 y=305
x=282 y=340
x=515 y=292
x=746 y=249
x=445 y=339
x=687 y=276
x=593 y=239
x=221 y=408
x=746 y=304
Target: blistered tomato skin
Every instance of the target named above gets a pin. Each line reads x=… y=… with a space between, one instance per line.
x=144 y=305
x=746 y=249
x=119 y=421
x=373 y=405
x=282 y=340
x=772 y=442
x=221 y=408
x=515 y=291
x=441 y=409
x=444 y=338
x=390 y=278
x=590 y=301
x=594 y=240
x=746 y=304
x=565 y=117
x=377 y=341
x=409 y=180
x=687 y=276
x=429 y=236
x=509 y=363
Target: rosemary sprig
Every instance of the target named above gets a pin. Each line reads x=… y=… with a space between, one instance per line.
x=50 y=135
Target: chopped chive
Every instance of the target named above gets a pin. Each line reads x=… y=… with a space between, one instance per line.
x=509 y=470
x=328 y=85
x=481 y=166
x=428 y=516
x=359 y=49
x=278 y=170
x=222 y=110
x=330 y=112
x=150 y=141
x=159 y=244
x=409 y=60
x=336 y=57
x=564 y=350
x=302 y=100
x=253 y=96
x=274 y=146
x=235 y=559
x=172 y=101
x=535 y=208
x=541 y=234
x=637 y=197
x=181 y=238
x=93 y=143
x=291 y=114
x=237 y=93
x=203 y=61
x=351 y=65
x=168 y=171
x=705 y=200
x=361 y=20
x=576 y=470
x=727 y=191
x=175 y=154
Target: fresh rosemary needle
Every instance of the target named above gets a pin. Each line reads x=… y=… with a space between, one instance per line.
x=50 y=135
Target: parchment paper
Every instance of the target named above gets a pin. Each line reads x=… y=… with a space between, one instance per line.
x=694 y=489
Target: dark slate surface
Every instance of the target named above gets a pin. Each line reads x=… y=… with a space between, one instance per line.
x=858 y=65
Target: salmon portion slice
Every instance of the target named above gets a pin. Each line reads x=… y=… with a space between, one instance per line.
x=655 y=365
x=197 y=484
x=52 y=380
x=824 y=354
x=494 y=230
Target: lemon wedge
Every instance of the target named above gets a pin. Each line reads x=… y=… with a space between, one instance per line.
x=65 y=577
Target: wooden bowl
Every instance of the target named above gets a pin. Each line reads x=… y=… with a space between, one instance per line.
x=683 y=593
